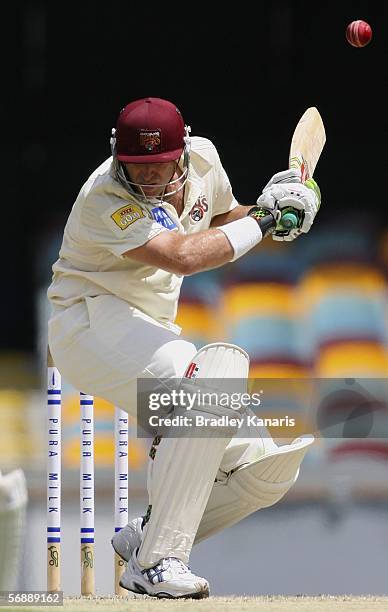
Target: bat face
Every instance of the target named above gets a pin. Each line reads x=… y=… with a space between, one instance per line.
x=307 y=142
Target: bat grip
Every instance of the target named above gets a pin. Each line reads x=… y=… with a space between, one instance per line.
x=289 y=219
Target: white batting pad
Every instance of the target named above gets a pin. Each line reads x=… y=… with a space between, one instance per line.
x=256 y=485
x=220 y=360
x=184 y=469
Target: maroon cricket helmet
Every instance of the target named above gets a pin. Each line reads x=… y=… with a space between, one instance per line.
x=150 y=130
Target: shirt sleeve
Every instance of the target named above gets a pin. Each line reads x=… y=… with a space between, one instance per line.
x=120 y=226
x=224 y=199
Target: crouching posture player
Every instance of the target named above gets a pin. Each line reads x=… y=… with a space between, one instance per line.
x=161 y=208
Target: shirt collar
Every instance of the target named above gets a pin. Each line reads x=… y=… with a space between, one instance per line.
x=198 y=168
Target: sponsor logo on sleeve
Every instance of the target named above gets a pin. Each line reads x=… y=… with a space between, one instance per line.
x=162 y=217
x=126 y=215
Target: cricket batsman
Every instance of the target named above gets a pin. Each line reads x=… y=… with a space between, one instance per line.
x=160 y=208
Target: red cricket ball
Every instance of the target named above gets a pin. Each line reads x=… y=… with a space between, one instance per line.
x=358 y=33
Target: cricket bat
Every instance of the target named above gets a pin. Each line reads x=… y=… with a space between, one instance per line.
x=306 y=147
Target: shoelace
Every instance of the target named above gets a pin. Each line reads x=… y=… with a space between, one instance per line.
x=175 y=563
x=155 y=574
x=182 y=568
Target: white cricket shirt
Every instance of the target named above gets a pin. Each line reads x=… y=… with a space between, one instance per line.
x=106 y=221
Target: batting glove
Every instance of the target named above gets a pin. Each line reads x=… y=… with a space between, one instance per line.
x=285 y=190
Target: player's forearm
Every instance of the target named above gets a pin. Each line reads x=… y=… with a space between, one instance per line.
x=216 y=247
x=189 y=254
x=185 y=254
x=203 y=251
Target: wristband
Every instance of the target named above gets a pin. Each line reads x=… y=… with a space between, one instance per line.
x=242 y=234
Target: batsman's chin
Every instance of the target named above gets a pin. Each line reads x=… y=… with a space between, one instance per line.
x=152 y=191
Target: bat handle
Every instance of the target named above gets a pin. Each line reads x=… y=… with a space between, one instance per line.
x=289 y=219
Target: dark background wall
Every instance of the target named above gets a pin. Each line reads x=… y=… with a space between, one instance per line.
x=241 y=77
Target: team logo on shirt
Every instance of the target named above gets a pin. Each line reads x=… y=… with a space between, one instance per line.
x=160 y=216
x=126 y=215
x=200 y=207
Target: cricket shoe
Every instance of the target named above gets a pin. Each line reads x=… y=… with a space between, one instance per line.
x=128 y=538
x=170 y=578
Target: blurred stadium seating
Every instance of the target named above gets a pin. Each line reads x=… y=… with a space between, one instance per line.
x=312 y=309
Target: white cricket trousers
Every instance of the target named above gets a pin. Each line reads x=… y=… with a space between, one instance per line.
x=101 y=345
